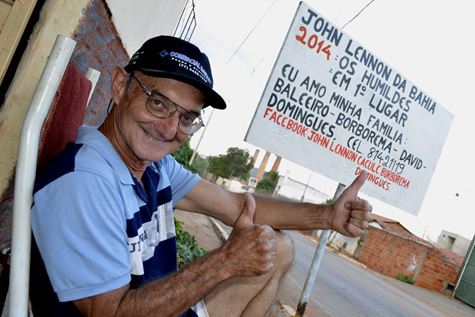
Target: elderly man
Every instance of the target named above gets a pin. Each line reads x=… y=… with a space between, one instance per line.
x=103 y=209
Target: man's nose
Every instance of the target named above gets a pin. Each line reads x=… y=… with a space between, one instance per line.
x=168 y=127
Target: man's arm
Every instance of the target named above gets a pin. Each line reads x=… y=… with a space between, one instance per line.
x=249 y=251
x=348 y=215
x=169 y=296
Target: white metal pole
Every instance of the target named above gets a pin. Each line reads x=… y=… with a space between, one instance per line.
x=26 y=170
x=201 y=137
x=317 y=259
x=306 y=187
x=93 y=76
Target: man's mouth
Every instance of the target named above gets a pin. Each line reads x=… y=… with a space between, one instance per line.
x=155 y=138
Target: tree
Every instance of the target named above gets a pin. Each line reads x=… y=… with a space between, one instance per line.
x=183 y=155
x=200 y=165
x=268 y=183
x=235 y=163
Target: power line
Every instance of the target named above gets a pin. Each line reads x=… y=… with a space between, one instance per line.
x=240 y=45
x=357 y=14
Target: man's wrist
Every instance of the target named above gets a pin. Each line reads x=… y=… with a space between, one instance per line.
x=324 y=214
x=220 y=265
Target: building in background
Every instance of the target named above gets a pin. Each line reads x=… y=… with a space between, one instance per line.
x=453 y=242
x=389 y=248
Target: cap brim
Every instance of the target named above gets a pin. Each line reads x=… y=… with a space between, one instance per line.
x=212 y=98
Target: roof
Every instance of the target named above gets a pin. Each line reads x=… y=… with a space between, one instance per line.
x=450 y=257
x=395 y=227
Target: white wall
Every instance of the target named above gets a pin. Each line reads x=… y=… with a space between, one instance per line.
x=137 y=21
x=289 y=188
x=460 y=245
x=232 y=185
x=338 y=241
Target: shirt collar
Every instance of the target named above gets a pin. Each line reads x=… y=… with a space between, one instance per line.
x=94 y=138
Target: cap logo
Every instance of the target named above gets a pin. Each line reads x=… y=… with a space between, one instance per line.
x=163 y=53
x=191 y=65
x=135 y=57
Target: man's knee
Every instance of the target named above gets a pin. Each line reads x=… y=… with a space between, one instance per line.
x=252 y=295
x=285 y=251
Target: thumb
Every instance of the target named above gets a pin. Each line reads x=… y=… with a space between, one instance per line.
x=248 y=210
x=358 y=182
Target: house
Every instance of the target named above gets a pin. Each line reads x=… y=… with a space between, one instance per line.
x=389 y=248
x=453 y=242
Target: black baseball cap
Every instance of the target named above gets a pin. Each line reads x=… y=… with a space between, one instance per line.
x=171 y=57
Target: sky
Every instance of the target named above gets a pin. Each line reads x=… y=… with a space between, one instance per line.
x=428 y=41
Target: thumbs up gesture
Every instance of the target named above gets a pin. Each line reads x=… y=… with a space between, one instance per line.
x=250 y=249
x=350 y=214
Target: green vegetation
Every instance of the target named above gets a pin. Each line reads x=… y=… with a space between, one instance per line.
x=183 y=155
x=405 y=278
x=200 y=165
x=187 y=248
x=268 y=183
x=235 y=163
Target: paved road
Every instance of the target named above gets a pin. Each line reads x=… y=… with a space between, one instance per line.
x=343 y=287
x=346 y=288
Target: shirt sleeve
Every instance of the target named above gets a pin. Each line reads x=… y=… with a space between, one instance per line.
x=181 y=180
x=79 y=226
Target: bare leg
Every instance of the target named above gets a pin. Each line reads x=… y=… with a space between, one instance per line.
x=252 y=296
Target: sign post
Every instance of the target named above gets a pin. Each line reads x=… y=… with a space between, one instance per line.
x=317 y=259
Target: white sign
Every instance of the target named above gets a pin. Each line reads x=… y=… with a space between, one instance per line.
x=336 y=108
x=253 y=182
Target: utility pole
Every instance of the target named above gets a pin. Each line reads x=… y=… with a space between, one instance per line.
x=201 y=138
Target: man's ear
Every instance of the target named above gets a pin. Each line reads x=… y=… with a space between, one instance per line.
x=119 y=80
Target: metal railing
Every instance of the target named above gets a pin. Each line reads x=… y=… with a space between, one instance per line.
x=187 y=23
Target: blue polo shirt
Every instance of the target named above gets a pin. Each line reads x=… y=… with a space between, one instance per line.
x=94 y=225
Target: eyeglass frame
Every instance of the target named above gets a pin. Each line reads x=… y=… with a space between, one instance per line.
x=185 y=111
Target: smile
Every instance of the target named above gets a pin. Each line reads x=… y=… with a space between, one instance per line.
x=153 y=137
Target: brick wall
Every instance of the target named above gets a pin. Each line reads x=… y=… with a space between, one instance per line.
x=377 y=247
x=391 y=255
x=435 y=272
x=99 y=47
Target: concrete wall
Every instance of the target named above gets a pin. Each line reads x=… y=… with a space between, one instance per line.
x=453 y=242
x=390 y=255
x=293 y=190
x=343 y=243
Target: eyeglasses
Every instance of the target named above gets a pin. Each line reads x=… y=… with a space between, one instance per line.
x=161 y=106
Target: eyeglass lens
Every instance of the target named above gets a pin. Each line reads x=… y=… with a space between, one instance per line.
x=160 y=107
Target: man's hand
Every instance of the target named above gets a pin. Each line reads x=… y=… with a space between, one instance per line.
x=350 y=214
x=250 y=249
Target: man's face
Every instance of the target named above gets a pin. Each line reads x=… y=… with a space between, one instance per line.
x=144 y=137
